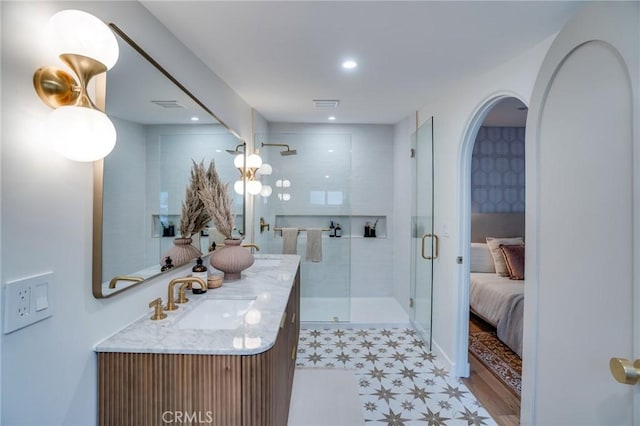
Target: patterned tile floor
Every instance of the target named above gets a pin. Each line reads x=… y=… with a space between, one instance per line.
x=400 y=383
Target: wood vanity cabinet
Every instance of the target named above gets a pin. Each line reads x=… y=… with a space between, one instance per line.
x=225 y=390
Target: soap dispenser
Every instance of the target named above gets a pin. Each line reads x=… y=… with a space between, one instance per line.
x=167 y=264
x=199 y=271
x=338 y=230
x=332 y=230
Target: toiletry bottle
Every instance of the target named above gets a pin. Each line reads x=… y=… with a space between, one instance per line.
x=367 y=229
x=332 y=230
x=199 y=271
x=167 y=264
x=338 y=230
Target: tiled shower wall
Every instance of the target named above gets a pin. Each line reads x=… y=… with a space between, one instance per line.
x=363 y=170
x=497 y=170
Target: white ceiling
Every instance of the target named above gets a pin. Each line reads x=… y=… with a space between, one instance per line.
x=280 y=56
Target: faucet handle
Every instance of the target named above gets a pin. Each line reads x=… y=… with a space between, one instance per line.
x=158 y=313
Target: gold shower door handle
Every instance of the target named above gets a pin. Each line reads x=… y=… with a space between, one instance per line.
x=436 y=248
x=624 y=371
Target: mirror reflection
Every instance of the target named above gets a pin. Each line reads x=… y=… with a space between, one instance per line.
x=162 y=131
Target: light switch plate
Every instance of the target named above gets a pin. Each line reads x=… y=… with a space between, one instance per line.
x=26 y=301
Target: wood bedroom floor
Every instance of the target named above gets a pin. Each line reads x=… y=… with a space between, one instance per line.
x=500 y=402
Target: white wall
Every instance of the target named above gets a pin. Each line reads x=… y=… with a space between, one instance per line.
x=452 y=112
x=49 y=369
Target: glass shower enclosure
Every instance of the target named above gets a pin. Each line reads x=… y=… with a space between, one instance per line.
x=424 y=242
x=309 y=187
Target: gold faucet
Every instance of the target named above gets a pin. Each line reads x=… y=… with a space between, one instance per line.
x=182 y=298
x=112 y=283
x=171 y=305
x=252 y=245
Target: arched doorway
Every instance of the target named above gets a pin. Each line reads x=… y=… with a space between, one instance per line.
x=492 y=205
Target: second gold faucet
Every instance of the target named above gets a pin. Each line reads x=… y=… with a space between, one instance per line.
x=171 y=303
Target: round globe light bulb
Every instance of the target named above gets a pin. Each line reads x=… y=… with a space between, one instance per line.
x=254 y=161
x=286 y=183
x=265 y=169
x=286 y=196
x=80 y=33
x=266 y=190
x=254 y=187
x=279 y=183
x=238 y=186
x=81 y=134
x=238 y=162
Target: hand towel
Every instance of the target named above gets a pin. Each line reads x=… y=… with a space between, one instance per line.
x=289 y=240
x=314 y=245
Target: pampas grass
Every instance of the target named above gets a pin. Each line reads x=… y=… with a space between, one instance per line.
x=195 y=216
x=217 y=202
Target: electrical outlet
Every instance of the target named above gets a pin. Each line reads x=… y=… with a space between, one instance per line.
x=26 y=301
x=22 y=302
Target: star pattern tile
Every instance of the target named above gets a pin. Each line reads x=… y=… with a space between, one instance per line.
x=400 y=382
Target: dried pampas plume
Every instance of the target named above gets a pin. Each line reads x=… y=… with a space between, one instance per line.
x=195 y=216
x=217 y=202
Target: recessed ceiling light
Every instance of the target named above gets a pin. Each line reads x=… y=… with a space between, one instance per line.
x=194 y=118
x=349 y=64
x=331 y=118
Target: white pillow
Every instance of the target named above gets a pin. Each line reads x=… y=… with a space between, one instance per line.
x=498 y=257
x=481 y=259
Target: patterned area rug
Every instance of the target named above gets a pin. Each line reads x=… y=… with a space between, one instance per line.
x=505 y=364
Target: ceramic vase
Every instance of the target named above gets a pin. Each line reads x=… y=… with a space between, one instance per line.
x=181 y=252
x=231 y=259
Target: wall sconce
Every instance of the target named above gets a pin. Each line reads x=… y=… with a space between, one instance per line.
x=248 y=174
x=80 y=131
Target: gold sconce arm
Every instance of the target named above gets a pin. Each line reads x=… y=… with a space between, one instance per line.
x=251 y=245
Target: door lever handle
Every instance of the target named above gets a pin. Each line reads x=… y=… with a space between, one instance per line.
x=624 y=371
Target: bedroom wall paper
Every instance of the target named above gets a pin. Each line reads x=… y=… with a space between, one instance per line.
x=497 y=170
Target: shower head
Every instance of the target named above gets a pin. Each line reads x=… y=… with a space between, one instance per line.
x=287 y=151
x=235 y=151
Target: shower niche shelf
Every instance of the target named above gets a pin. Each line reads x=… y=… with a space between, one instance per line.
x=352 y=226
x=161 y=221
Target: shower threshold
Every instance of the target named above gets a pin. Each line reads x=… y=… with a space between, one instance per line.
x=366 y=311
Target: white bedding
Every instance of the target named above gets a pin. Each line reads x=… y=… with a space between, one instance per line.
x=499 y=301
x=490 y=295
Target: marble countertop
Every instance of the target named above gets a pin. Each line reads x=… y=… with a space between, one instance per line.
x=269 y=280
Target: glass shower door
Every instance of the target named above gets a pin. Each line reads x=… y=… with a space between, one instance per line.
x=423 y=240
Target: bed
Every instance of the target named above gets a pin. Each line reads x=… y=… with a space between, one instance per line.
x=498 y=300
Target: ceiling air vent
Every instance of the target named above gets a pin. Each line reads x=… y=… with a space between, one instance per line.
x=326 y=103
x=167 y=104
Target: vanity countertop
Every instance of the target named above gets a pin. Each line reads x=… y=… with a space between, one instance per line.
x=267 y=282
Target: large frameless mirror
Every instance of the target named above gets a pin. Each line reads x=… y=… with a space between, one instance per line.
x=139 y=188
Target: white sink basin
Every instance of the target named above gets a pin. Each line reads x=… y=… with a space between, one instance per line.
x=216 y=314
